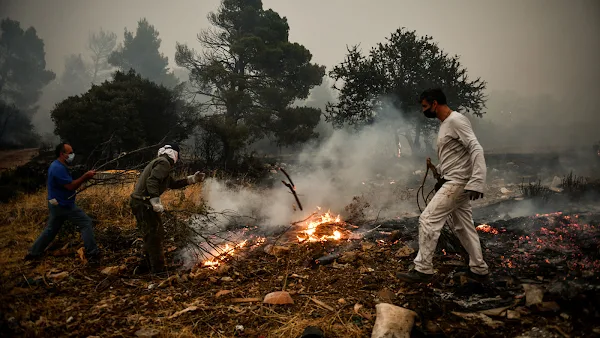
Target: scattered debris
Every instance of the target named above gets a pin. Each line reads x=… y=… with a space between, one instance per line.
x=510 y=314
x=498 y=312
x=276 y=250
x=147 y=333
x=533 y=294
x=321 y=304
x=476 y=316
x=169 y=281
x=357 y=308
x=348 y=257
x=405 y=251
x=58 y=276
x=386 y=295
x=245 y=300
x=222 y=293
x=113 y=270
x=81 y=254
x=279 y=298
x=179 y=313
x=393 y=321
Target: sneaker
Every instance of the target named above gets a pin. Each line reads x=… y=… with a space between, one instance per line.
x=414 y=276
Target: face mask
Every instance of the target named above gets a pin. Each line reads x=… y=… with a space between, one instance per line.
x=70 y=157
x=430 y=114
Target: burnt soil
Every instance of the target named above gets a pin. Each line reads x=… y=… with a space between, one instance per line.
x=558 y=253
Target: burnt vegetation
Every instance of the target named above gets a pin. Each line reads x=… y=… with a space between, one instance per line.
x=574 y=185
x=535 y=190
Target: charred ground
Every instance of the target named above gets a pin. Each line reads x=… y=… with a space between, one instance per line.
x=334 y=284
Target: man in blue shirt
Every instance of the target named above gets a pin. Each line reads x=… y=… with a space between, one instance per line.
x=61 y=187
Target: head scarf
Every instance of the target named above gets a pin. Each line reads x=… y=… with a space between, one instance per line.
x=171 y=151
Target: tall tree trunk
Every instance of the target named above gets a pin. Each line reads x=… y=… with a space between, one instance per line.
x=228 y=156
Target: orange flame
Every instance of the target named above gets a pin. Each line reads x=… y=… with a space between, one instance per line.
x=312 y=225
x=487 y=228
x=227 y=250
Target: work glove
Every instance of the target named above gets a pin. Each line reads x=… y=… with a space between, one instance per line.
x=156 y=205
x=196 y=178
x=474 y=195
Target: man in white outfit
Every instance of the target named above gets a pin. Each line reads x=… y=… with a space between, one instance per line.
x=462 y=167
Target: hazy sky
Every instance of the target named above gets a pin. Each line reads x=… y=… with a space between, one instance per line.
x=530 y=46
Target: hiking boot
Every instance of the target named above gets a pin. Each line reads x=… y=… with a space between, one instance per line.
x=470 y=275
x=94 y=260
x=477 y=277
x=414 y=276
x=32 y=258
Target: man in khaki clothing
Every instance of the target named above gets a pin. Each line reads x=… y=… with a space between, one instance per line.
x=147 y=207
x=463 y=171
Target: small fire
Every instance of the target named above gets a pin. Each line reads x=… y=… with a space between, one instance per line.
x=487 y=228
x=226 y=251
x=314 y=222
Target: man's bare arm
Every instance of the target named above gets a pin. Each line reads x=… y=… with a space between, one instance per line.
x=75 y=184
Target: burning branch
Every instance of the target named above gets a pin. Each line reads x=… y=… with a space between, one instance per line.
x=191 y=230
x=291 y=186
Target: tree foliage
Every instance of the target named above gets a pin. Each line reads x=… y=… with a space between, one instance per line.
x=101 y=46
x=141 y=53
x=395 y=73
x=251 y=74
x=23 y=75
x=76 y=77
x=130 y=110
x=23 y=71
x=16 y=129
x=296 y=125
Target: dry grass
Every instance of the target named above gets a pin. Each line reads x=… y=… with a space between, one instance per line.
x=293 y=326
x=22 y=219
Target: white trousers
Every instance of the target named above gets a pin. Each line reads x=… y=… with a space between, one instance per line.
x=449 y=200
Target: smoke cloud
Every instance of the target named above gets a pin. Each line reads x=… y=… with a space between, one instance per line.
x=328 y=174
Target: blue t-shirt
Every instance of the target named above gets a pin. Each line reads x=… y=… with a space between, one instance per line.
x=58 y=176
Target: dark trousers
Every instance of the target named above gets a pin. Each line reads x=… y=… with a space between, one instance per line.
x=58 y=215
x=151 y=227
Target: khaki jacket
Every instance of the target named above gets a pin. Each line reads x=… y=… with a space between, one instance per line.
x=156 y=178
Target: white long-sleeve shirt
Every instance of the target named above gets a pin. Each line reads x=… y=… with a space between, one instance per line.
x=460 y=154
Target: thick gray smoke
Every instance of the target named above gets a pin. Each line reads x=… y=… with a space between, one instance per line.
x=515 y=123
x=328 y=174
